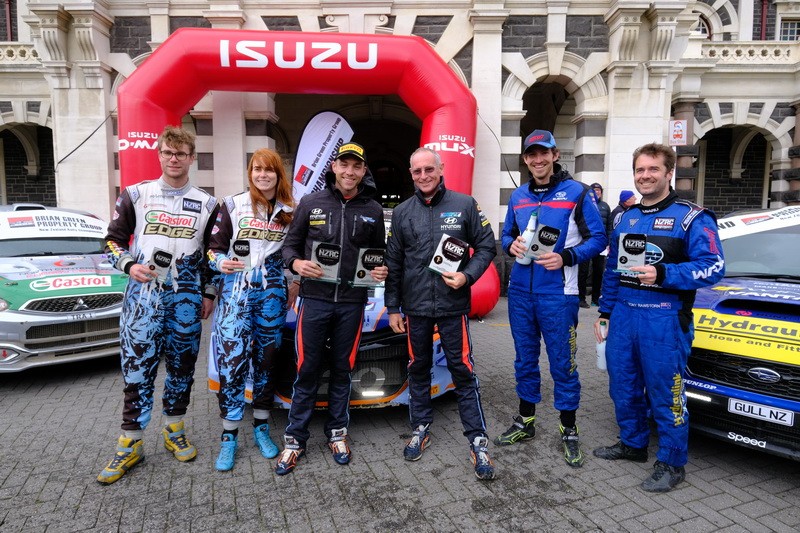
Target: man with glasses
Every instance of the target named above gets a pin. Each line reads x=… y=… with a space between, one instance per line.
x=169 y=291
x=430 y=299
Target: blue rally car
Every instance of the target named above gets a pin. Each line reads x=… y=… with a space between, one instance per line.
x=744 y=369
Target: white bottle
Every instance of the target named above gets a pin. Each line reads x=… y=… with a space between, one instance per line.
x=601 y=346
x=527 y=238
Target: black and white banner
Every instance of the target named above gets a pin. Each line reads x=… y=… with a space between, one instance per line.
x=321 y=138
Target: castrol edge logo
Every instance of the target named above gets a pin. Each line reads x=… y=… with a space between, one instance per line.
x=168 y=225
x=70 y=282
x=253 y=223
x=162 y=217
x=298 y=55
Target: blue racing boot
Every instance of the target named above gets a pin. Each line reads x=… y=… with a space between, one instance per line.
x=265 y=445
x=227 y=452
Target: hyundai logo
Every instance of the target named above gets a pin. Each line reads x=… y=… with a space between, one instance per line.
x=765 y=375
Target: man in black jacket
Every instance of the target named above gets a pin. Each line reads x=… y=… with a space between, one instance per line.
x=332 y=224
x=599 y=261
x=430 y=299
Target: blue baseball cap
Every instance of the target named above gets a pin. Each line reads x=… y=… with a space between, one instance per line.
x=541 y=138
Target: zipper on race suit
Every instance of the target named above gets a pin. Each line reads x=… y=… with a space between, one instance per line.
x=342 y=229
x=433 y=279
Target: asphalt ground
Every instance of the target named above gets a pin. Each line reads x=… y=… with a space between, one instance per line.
x=58 y=428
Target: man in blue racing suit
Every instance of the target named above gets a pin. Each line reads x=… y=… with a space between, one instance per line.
x=543 y=293
x=169 y=291
x=648 y=309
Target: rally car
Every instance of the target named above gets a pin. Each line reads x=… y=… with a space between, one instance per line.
x=379 y=378
x=60 y=299
x=744 y=368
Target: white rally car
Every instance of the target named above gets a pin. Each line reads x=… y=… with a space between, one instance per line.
x=60 y=299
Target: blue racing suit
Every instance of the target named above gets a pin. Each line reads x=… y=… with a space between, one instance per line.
x=544 y=303
x=650 y=326
x=161 y=317
x=252 y=307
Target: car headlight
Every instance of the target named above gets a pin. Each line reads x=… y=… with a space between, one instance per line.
x=3 y=305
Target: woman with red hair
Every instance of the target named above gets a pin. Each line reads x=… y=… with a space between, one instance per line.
x=245 y=249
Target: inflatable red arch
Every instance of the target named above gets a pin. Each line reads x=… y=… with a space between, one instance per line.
x=192 y=62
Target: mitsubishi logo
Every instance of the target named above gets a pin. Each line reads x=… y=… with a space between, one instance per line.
x=765 y=375
x=80 y=305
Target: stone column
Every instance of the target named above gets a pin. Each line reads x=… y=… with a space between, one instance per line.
x=590 y=136
x=228 y=119
x=80 y=94
x=487 y=21
x=792 y=196
x=685 y=171
x=159 y=21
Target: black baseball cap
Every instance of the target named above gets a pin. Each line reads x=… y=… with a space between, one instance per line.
x=354 y=149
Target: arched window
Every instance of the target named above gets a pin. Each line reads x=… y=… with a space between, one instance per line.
x=704 y=26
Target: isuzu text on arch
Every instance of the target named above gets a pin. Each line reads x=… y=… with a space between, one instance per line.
x=322 y=55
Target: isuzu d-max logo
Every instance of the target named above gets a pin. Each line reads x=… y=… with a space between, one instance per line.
x=765 y=375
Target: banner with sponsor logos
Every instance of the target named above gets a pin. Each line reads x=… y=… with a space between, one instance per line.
x=194 y=61
x=34 y=224
x=322 y=136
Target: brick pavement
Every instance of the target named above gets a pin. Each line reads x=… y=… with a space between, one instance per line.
x=59 y=426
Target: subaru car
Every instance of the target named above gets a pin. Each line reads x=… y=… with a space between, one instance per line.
x=60 y=298
x=743 y=383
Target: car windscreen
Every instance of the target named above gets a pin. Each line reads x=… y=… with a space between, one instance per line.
x=51 y=246
x=768 y=253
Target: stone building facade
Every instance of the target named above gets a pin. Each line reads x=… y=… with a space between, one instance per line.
x=605 y=76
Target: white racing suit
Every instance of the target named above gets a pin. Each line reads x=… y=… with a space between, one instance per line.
x=252 y=305
x=161 y=317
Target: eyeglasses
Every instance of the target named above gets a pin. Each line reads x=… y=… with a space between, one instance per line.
x=419 y=171
x=166 y=155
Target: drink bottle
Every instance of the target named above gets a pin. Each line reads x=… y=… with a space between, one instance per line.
x=601 y=346
x=528 y=236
